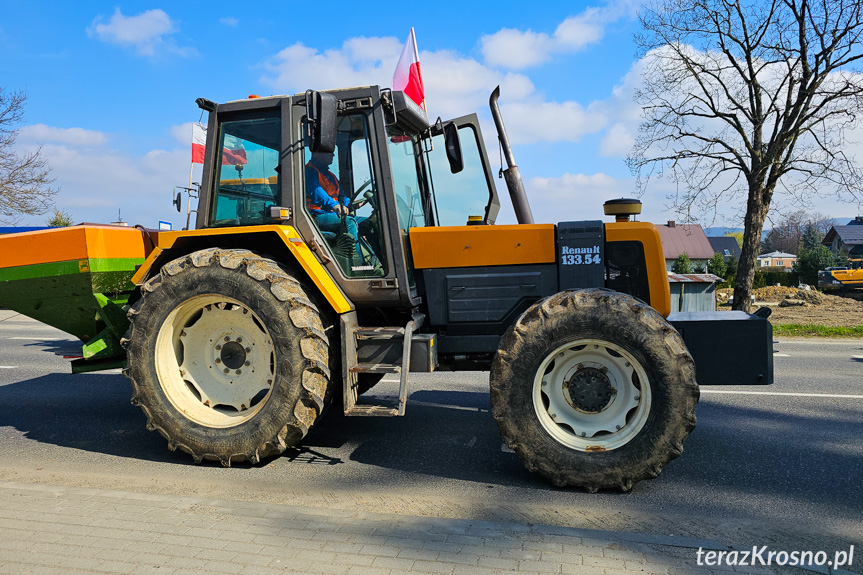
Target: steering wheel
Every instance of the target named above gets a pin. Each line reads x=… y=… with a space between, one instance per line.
x=355 y=203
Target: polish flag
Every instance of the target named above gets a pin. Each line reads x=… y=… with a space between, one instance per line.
x=199 y=142
x=407 y=77
x=233 y=152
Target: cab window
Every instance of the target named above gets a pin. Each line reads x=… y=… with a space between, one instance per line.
x=410 y=207
x=247 y=176
x=467 y=193
x=342 y=200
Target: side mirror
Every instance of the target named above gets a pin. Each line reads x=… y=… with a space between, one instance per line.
x=322 y=111
x=178 y=201
x=453 y=148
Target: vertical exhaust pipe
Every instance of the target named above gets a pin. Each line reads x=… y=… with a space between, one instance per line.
x=511 y=175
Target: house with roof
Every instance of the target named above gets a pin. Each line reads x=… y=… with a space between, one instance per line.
x=685 y=238
x=846 y=239
x=777 y=260
x=725 y=245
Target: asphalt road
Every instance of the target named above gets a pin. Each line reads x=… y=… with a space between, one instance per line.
x=780 y=464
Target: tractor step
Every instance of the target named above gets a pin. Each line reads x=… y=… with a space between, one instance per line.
x=363 y=410
x=381 y=350
x=375 y=368
x=379 y=333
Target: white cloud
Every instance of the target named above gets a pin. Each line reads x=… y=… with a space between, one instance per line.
x=148 y=32
x=518 y=49
x=182 y=134
x=360 y=62
x=510 y=48
x=529 y=122
x=96 y=181
x=617 y=142
x=40 y=133
x=229 y=21
x=572 y=196
x=455 y=85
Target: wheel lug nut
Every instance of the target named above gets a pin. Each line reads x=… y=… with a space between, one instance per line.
x=248 y=350
x=637 y=397
x=227 y=370
x=618 y=427
x=218 y=360
x=227 y=338
x=248 y=363
x=218 y=347
x=239 y=372
x=239 y=340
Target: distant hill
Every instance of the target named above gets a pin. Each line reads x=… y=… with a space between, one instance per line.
x=717 y=231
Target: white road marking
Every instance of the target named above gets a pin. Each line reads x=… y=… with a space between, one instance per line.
x=781 y=394
x=443 y=405
x=781 y=355
x=857 y=357
x=40 y=338
x=818 y=341
x=8 y=367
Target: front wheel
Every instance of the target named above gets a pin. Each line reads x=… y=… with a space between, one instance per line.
x=228 y=356
x=594 y=388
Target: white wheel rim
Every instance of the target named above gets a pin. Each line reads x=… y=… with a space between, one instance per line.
x=215 y=361
x=591 y=395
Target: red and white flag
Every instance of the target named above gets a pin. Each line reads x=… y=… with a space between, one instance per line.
x=199 y=142
x=407 y=77
x=233 y=152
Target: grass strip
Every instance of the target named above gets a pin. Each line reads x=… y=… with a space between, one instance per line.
x=811 y=329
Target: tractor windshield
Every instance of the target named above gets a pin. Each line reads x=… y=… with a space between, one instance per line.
x=411 y=208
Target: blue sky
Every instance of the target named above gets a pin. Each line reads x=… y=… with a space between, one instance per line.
x=111 y=89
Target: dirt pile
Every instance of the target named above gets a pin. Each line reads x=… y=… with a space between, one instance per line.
x=792 y=305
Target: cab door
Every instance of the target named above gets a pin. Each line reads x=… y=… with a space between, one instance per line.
x=470 y=192
x=355 y=243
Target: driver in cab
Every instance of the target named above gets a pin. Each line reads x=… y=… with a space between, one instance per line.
x=324 y=198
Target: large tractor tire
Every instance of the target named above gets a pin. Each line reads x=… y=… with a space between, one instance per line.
x=228 y=356
x=595 y=389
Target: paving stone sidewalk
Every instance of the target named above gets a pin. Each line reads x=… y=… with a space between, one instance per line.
x=46 y=529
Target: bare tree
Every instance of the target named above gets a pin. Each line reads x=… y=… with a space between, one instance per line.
x=788 y=230
x=25 y=178
x=743 y=99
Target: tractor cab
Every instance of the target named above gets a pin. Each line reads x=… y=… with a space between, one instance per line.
x=353 y=170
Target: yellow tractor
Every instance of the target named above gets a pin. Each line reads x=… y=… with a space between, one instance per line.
x=340 y=237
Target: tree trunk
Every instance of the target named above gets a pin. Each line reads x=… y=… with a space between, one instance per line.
x=753 y=226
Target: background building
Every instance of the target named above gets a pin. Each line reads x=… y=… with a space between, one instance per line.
x=685 y=238
x=777 y=260
x=846 y=239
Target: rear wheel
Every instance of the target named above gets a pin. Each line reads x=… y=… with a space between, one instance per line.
x=228 y=356
x=593 y=388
